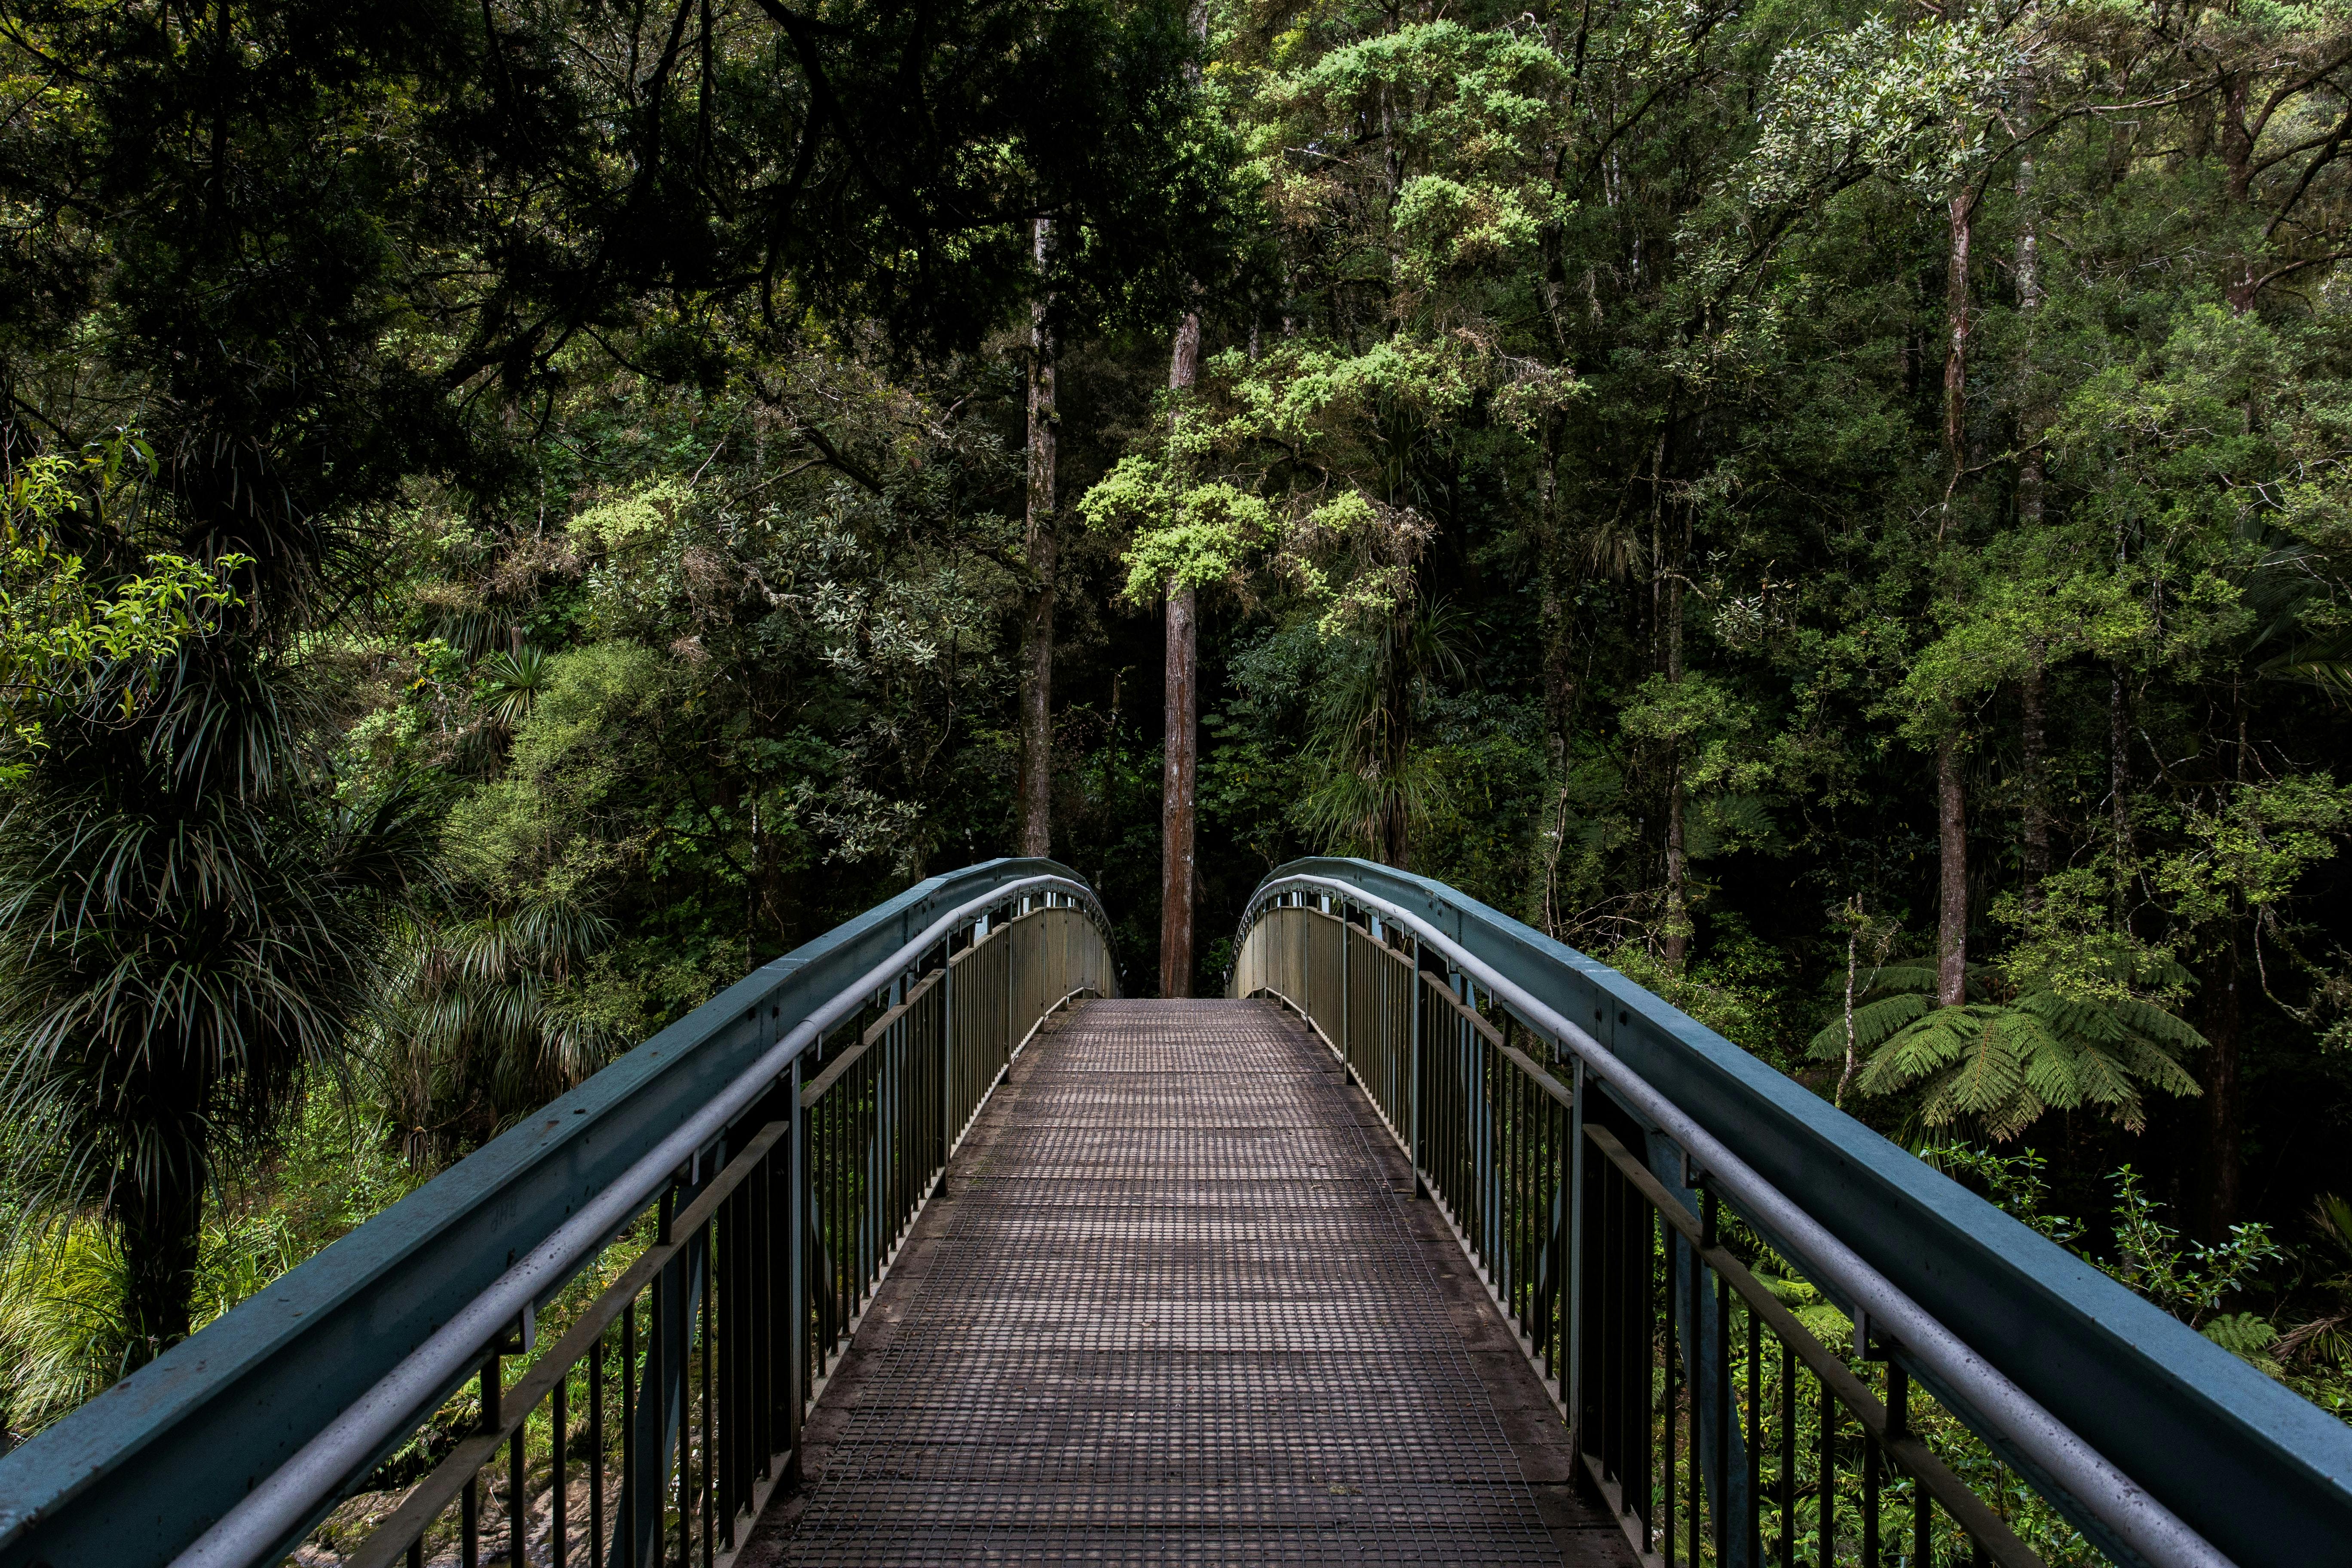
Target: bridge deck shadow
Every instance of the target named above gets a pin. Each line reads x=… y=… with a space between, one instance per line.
x=1176 y=1303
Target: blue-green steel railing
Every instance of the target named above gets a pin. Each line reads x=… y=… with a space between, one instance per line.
x=1587 y=1139
x=744 y=1175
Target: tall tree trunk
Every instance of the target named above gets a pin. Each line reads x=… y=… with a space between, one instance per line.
x=1036 y=786
x=1958 y=324
x=1180 y=768
x=1178 y=780
x=161 y=1224
x=1952 y=901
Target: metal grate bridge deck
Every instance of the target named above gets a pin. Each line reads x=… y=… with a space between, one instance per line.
x=1173 y=1307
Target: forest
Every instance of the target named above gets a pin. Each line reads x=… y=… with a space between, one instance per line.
x=517 y=513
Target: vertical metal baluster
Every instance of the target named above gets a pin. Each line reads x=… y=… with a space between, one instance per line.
x=1674 y=1399
x=1694 y=1380
x=470 y=1509
x=1755 y=1438
x=1720 y=1503
x=1523 y=1167
x=416 y=1552
x=1560 y=1242
x=1649 y=1291
x=625 y=1539
x=795 y=1307
x=736 y=1356
x=518 y=1491
x=1523 y=1188
x=710 y=1395
x=1825 y=1460
x=1788 y=1456
x=1615 y=1349
x=1869 y=1496
x=723 y=1283
x=1412 y=1021
x=831 y=1236
x=1575 y=1325
x=597 y=1452
x=1899 y=1425
x=559 y=1415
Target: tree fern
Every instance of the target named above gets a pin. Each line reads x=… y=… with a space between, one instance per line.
x=1998 y=1065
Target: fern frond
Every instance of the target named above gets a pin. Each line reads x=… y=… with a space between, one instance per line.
x=1878 y=1022
x=1902 y=974
x=1873 y=1024
x=2103 y=1079
x=1917 y=1049
x=2153 y=1064
x=2082 y=1022
x=2153 y=1022
x=1990 y=1074
x=2052 y=1065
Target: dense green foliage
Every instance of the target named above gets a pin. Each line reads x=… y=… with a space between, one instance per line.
x=1840 y=508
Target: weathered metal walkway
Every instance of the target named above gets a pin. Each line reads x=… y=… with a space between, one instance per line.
x=1177 y=1304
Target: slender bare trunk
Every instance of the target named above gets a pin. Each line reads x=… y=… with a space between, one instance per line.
x=1178 y=779
x=1180 y=768
x=1036 y=786
x=1958 y=324
x=1952 y=901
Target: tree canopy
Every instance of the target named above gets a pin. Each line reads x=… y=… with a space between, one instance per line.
x=1838 y=509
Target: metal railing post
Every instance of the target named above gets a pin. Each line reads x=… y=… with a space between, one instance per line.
x=796 y=1282
x=947 y=1054
x=1347 y=947
x=1572 y=1303
x=1413 y=1013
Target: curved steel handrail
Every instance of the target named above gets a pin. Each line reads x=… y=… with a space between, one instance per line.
x=2142 y=1523
x=153 y=1464
x=282 y=1506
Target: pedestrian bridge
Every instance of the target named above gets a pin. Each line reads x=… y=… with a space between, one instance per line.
x=1433 y=1241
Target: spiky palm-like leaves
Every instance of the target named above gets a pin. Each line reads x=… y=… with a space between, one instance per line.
x=1999 y=1065
x=1374 y=784
x=479 y=1020
x=188 y=923
x=511 y=682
